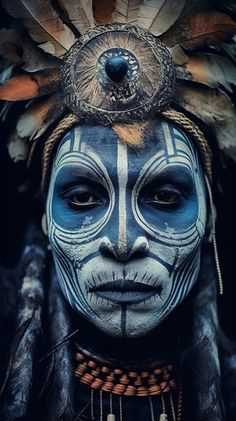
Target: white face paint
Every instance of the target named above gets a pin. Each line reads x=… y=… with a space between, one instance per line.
x=126 y=225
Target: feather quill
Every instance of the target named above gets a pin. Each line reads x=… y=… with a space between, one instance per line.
x=209 y=69
x=103 y=10
x=199 y=30
x=28 y=86
x=34 y=122
x=42 y=22
x=19 y=49
x=159 y=15
x=126 y=11
x=214 y=108
x=78 y=13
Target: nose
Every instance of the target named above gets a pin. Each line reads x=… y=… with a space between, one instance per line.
x=139 y=249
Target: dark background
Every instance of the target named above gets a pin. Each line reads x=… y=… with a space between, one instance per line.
x=17 y=209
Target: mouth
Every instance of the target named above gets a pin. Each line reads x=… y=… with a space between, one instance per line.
x=126 y=291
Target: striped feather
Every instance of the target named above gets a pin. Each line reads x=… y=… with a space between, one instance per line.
x=42 y=22
x=210 y=69
x=28 y=86
x=78 y=13
x=34 y=122
x=126 y=11
x=159 y=15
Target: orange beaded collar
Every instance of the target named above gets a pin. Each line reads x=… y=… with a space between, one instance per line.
x=149 y=378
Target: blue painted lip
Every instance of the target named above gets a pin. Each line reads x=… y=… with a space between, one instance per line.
x=126 y=291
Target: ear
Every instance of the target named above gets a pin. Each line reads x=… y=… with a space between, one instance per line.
x=44 y=224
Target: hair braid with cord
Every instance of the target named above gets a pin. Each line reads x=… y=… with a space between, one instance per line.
x=67 y=123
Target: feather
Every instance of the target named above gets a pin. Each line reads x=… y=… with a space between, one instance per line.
x=39 y=116
x=5 y=110
x=178 y=55
x=126 y=11
x=159 y=15
x=227 y=6
x=19 y=49
x=103 y=10
x=28 y=86
x=199 y=30
x=209 y=69
x=78 y=13
x=6 y=71
x=214 y=108
x=230 y=50
x=42 y=22
x=17 y=147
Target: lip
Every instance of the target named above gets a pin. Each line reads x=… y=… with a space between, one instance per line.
x=125 y=291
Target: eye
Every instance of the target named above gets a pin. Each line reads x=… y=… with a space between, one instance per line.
x=82 y=200
x=164 y=196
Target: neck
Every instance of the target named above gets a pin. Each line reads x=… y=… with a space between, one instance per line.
x=163 y=341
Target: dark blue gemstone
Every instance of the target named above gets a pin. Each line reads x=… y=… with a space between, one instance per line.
x=116 y=68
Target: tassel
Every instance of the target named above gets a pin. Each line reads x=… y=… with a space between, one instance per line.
x=111 y=417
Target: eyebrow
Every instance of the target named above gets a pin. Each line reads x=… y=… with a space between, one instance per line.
x=72 y=173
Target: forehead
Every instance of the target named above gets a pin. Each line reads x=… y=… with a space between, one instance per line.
x=161 y=139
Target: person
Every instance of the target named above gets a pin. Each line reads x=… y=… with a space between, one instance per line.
x=123 y=280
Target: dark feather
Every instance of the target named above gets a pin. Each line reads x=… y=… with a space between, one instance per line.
x=39 y=116
x=61 y=403
x=103 y=10
x=210 y=69
x=42 y=22
x=194 y=32
x=18 y=381
x=214 y=108
x=18 y=48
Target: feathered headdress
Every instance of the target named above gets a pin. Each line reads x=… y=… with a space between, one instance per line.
x=117 y=61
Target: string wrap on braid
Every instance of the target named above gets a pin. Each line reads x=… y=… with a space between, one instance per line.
x=197 y=136
x=65 y=124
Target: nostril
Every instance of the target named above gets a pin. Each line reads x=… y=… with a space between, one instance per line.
x=106 y=248
x=140 y=248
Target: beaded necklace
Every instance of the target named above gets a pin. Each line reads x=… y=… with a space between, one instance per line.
x=151 y=379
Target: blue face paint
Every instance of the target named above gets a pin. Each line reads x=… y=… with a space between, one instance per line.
x=126 y=225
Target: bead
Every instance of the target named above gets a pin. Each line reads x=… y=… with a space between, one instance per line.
x=163 y=417
x=111 y=417
x=155 y=390
x=109 y=378
x=133 y=374
x=118 y=371
x=105 y=369
x=144 y=374
x=87 y=378
x=97 y=384
x=92 y=364
x=79 y=356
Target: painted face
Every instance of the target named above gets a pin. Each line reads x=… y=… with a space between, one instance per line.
x=125 y=225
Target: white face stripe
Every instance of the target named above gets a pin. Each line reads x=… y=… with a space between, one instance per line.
x=122 y=174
